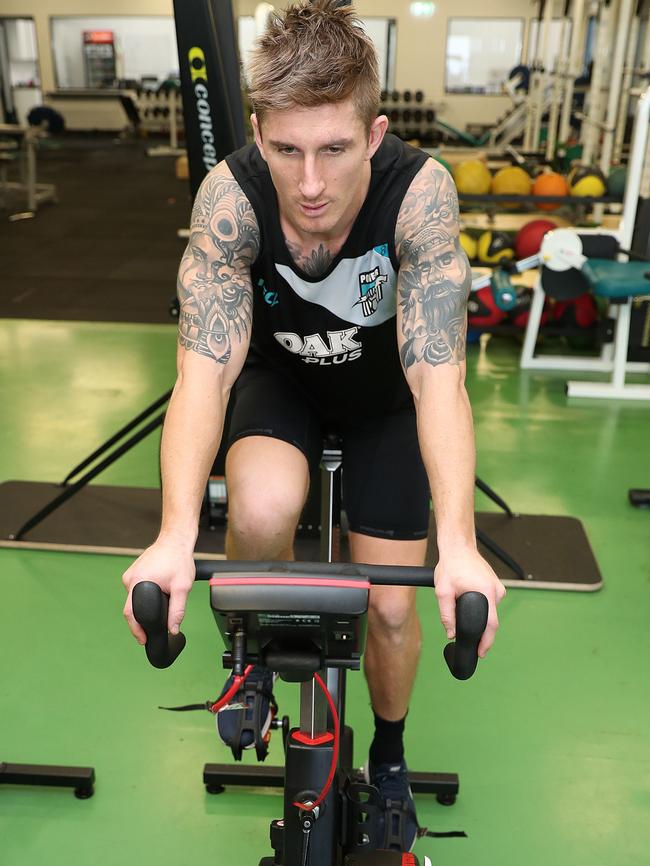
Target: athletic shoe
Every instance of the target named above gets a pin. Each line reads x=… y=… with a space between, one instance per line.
x=250 y=710
x=398 y=825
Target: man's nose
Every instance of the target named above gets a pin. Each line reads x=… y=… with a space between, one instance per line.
x=311 y=183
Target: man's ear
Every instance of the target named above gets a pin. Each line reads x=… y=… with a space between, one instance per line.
x=257 y=131
x=378 y=129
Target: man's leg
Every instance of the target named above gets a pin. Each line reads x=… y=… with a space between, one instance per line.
x=268 y=482
x=394 y=636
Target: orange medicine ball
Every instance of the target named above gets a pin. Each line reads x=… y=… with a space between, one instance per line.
x=549 y=183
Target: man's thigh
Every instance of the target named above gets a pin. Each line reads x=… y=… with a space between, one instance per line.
x=386 y=490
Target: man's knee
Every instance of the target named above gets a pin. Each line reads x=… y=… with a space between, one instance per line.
x=267 y=486
x=392 y=613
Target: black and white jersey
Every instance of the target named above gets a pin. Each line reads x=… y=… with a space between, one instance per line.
x=334 y=334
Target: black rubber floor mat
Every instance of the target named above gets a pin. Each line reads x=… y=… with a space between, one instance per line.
x=554 y=552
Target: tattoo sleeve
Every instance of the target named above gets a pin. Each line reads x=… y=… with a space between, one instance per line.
x=214 y=282
x=434 y=277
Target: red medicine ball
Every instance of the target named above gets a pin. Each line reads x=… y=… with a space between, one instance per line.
x=529 y=238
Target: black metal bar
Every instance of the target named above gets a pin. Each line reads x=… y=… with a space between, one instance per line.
x=392 y=575
x=115 y=438
x=80 y=778
x=492 y=546
x=484 y=488
x=73 y=488
x=247 y=775
x=532 y=199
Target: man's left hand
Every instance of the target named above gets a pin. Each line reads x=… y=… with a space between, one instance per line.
x=465 y=571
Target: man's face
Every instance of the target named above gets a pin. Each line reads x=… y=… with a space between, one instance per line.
x=319 y=163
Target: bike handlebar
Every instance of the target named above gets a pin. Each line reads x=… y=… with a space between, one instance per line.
x=150 y=606
x=378 y=575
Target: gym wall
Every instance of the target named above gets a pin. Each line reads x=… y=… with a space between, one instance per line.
x=420 y=61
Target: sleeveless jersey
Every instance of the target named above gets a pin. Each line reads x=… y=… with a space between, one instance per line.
x=334 y=334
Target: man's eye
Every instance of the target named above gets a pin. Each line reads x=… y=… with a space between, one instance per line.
x=335 y=149
x=288 y=151
x=445 y=260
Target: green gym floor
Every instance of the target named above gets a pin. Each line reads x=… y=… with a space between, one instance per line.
x=550 y=738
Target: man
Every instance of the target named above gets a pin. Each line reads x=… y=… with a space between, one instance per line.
x=309 y=253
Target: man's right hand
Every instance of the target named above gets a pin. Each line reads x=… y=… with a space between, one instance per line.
x=170 y=565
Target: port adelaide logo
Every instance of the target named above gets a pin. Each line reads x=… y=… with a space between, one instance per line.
x=370 y=291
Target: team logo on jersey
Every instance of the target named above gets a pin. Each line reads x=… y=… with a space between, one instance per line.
x=270 y=297
x=337 y=348
x=370 y=291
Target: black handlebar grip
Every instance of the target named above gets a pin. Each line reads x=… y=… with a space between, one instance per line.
x=471 y=619
x=150 y=606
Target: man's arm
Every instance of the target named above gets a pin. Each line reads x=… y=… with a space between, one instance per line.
x=216 y=305
x=433 y=287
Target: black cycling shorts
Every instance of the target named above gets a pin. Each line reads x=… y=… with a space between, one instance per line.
x=385 y=486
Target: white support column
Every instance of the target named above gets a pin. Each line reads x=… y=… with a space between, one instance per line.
x=595 y=106
x=560 y=82
x=576 y=54
x=626 y=13
x=626 y=85
x=540 y=93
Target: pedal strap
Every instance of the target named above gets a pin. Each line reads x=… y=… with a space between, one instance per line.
x=250 y=696
x=451 y=834
x=396 y=812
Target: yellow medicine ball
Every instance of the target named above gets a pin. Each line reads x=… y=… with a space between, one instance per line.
x=494 y=246
x=585 y=180
x=511 y=180
x=469 y=244
x=472 y=177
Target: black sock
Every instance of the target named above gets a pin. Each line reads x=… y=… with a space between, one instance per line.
x=388 y=745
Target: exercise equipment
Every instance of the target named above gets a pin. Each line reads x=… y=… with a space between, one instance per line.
x=551 y=183
x=307 y=621
x=210 y=83
x=511 y=180
x=617 y=282
x=80 y=779
x=586 y=181
x=472 y=176
x=494 y=247
x=469 y=244
x=528 y=239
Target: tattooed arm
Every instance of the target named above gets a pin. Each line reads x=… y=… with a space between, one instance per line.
x=215 y=295
x=433 y=287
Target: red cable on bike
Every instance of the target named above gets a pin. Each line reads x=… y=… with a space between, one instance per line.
x=335 y=754
x=232 y=691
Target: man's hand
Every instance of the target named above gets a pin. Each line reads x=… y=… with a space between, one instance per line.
x=170 y=564
x=467 y=571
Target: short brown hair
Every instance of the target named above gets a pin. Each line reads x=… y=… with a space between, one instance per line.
x=313 y=54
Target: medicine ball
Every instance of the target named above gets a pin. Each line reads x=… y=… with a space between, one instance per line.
x=586 y=180
x=511 y=180
x=482 y=311
x=469 y=244
x=495 y=246
x=616 y=181
x=549 y=183
x=472 y=177
x=528 y=239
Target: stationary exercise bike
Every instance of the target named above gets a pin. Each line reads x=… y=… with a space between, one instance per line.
x=307 y=621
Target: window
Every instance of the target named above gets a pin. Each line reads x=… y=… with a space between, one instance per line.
x=481 y=52
x=381 y=31
x=98 y=51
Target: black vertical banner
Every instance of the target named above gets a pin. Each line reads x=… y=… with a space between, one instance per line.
x=210 y=83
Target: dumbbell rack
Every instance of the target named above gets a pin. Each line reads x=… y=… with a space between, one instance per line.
x=410 y=116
